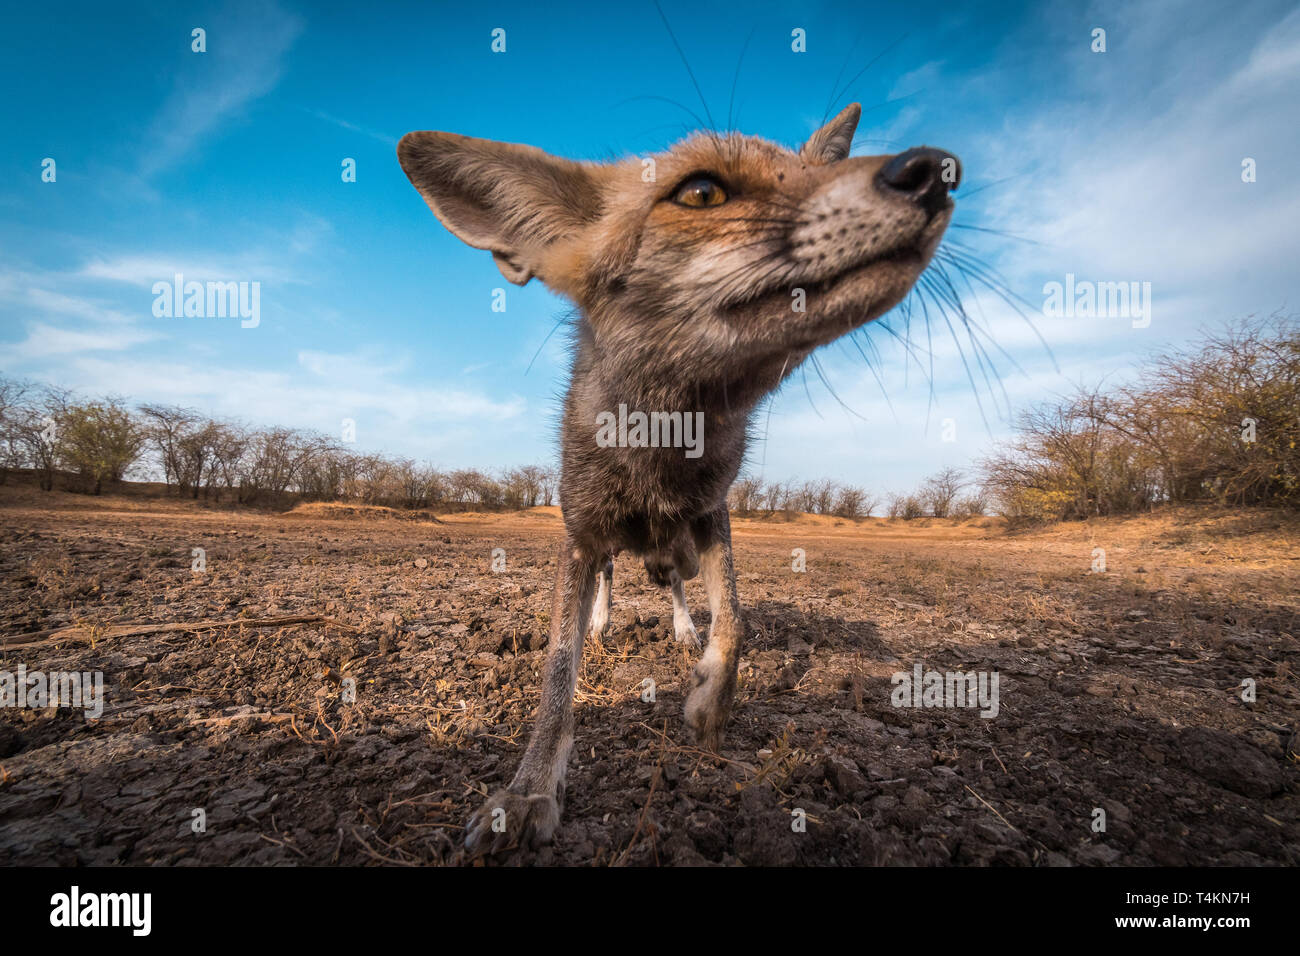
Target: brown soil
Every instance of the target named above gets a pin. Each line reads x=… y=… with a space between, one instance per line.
x=1118 y=690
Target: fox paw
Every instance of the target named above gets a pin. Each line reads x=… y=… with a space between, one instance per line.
x=686 y=635
x=510 y=820
x=708 y=705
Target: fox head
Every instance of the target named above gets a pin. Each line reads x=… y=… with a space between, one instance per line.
x=725 y=249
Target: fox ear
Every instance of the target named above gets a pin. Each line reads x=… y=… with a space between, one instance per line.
x=832 y=142
x=512 y=200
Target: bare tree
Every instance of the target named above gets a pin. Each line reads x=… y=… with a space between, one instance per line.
x=801 y=497
x=229 y=445
x=906 y=507
x=743 y=495
x=522 y=487
x=940 y=490
x=973 y=505
x=825 y=493
x=166 y=428
x=851 y=502
x=38 y=431
x=774 y=497
x=550 y=482
x=14 y=397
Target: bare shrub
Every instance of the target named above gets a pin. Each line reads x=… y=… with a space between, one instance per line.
x=1214 y=421
x=940 y=491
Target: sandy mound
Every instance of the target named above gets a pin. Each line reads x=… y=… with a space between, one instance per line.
x=330 y=510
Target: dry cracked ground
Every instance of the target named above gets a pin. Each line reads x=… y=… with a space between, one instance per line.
x=225 y=739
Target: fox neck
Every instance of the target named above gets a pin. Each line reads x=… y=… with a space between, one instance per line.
x=633 y=365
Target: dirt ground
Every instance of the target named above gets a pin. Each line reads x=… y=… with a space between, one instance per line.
x=1119 y=691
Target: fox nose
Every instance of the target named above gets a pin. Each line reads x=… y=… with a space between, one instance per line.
x=925 y=175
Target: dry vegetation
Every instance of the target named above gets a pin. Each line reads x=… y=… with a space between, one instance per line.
x=1119 y=690
x=1216 y=421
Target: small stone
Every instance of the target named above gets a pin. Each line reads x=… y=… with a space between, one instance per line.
x=844 y=775
x=1227 y=761
x=1099 y=854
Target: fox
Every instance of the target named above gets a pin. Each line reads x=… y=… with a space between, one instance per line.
x=701 y=281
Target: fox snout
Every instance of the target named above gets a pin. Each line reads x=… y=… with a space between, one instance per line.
x=924 y=175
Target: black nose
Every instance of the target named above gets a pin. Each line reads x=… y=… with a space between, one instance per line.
x=924 y=175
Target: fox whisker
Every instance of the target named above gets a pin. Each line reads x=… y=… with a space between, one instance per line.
x=735 y=79
x=689 y=72
x=995 y=232
x=972 y=268
x=837 y=93
x=695 y=117
x=926 y=284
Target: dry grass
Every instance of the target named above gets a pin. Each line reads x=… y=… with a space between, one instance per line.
x=1103 y=677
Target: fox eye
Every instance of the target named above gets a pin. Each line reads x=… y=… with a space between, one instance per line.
x=699 y=192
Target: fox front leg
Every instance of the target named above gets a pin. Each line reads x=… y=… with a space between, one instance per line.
x=528 y=811
x=604 y=600
x=683 y=629
x=713 y=684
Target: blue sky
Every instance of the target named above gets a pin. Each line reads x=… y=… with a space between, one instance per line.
x=1115 y=166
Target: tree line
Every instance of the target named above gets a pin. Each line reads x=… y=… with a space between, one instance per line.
x=947 y=494
x=87 y=445
x=1217 y=420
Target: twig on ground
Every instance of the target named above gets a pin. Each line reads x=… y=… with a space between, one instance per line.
x=59 y=634
x=991 y=807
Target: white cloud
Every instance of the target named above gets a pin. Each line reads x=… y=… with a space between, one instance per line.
x=384 y=138
x=246 y=48
x=45 y=341
x=394 y=411
x=145 y=270
x=1276 y=60
x=1144 y=180
x=31 y=293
